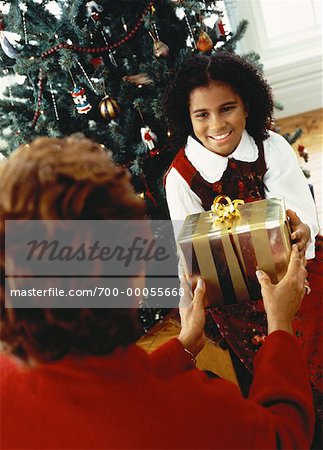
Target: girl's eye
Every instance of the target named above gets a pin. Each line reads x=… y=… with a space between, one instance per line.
x=201 y=115
x=227 y=108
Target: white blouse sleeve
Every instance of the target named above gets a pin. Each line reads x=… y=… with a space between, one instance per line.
x=284 y=178
x=181 y=200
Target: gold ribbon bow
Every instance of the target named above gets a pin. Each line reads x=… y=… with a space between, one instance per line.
x=225 y=210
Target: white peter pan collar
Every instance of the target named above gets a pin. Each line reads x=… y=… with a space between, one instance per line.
x=210 y=165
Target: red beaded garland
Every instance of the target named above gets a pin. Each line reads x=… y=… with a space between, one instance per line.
x=39 y=98
x=102 y=49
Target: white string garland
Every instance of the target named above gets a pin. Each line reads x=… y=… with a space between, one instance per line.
x=53 y=100
x=24 y=26
x=190 y=30
x=87 y=78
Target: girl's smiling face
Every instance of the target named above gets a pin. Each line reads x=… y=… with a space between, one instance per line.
x=218 y=117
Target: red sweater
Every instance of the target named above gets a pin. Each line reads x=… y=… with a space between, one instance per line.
x=134 y=400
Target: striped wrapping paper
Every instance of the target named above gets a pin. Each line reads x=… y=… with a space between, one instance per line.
x=227 y=259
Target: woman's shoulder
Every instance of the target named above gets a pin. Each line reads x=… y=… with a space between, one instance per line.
x=12 y=372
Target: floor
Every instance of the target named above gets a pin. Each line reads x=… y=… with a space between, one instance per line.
x=213 y=357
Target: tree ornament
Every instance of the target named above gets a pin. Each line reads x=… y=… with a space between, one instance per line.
x=204 y=43
x=303 y=153
x=109 y=108
x=8 y=49
x=154 y=152
x=219 y=29
x=160 y=48
x=81 y=102
x=125 y=26
x=97 y=62
x=148 y=137
x=99 y=84
x=139 y=79
x=93 y=11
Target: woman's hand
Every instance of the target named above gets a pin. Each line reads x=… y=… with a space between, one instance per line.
x=192 y=316
x=283 y=300
x=300 y=231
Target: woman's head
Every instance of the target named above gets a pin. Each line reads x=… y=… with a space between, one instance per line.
x=70 y=178
x=222 y=73
x=64 y=179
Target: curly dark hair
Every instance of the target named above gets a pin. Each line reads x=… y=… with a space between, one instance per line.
x=52 y=179
x=198 y=71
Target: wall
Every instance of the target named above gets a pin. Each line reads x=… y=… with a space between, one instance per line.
x=287 y=34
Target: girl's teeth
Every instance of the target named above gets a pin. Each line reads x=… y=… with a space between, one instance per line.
x=220 y=136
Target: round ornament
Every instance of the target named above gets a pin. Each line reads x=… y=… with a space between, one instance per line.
x=109 y=108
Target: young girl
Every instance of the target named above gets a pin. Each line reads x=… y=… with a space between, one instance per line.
x=219 y=110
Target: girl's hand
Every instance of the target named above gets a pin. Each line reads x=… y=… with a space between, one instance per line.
x=192 y=316
x=283 y=300
x=300 y=231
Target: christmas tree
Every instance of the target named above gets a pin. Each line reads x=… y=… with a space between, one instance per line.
x=101 y=68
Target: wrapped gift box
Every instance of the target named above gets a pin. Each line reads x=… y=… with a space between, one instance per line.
x=227 y=254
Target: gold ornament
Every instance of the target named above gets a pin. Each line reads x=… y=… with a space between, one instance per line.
x=109 y=108
x=204 y=43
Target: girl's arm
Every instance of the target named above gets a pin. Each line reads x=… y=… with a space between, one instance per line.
x=284 y=178
x=181 y=200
